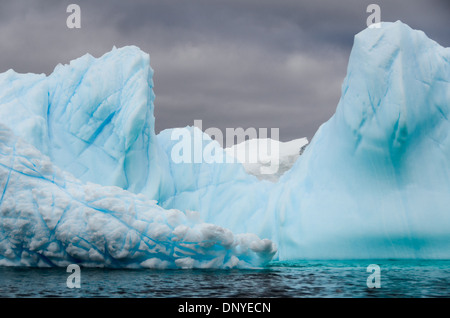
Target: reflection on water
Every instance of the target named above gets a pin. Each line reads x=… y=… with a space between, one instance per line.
x=284 y=279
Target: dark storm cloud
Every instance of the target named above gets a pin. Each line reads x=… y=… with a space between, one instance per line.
x=249 y=63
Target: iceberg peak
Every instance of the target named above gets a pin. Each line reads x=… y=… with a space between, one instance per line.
x=93 y=117
x=396 y=86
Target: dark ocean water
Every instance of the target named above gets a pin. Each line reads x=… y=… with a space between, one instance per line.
x=335 y=279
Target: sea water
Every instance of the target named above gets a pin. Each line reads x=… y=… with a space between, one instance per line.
x=337 y=279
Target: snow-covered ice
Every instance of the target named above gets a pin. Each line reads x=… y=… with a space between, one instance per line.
x=259 y=153
x=85 y=179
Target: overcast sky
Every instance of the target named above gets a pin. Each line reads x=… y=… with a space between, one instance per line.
x=248 y=63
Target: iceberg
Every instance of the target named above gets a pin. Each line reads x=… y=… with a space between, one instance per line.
x=85 y=179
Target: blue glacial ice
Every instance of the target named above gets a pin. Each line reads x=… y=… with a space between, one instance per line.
x=85 y=179
x=50 y=218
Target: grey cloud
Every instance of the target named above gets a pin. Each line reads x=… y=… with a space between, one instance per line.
x=247 y=63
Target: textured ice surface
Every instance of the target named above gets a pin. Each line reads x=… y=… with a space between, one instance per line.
x=93 y=118
x=373 y=183
x=49 y=218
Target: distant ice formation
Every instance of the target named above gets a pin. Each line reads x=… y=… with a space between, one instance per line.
x=255 y=154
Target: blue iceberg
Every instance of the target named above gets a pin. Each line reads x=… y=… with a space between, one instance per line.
x=85 y=179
